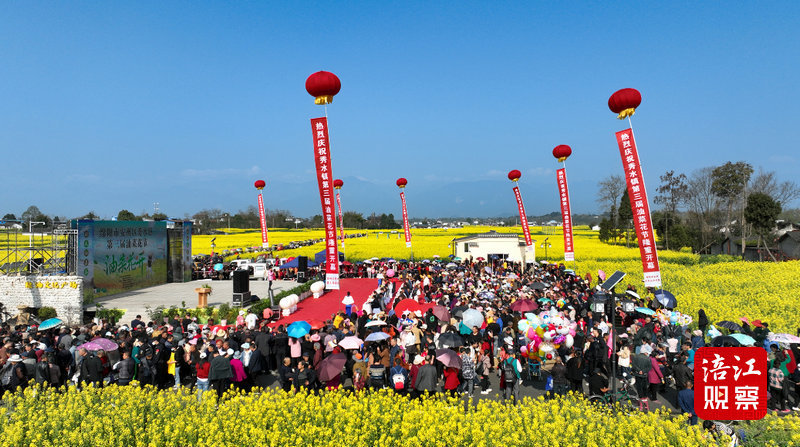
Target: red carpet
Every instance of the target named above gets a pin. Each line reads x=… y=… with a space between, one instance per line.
x=323 y=307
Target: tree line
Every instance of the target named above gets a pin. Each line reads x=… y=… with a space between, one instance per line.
x=703 y=208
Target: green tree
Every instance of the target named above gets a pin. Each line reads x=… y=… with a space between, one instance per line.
x=9 y=216
x=730 y=184
x=671 y=193
x=159 y=216
x=126 y=216
x=762 y=211
x=353 y=219
x=625 y=215
x=605 y=230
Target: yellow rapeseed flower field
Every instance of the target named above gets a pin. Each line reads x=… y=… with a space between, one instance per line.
x=726 y=287
x=133 y=416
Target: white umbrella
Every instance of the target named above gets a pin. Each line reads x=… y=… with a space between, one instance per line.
x=451 y=265
x=351 y=342
x=633 y=294
x=783 y=338
x=367 y=261
x=375 y=323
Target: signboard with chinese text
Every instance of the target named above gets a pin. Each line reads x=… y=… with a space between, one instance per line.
x=730 y=383
x=262 y=217
x=640 y=208
x=322 y=160
x=406 y=228
x=566 y=214
x=523 y=218
x=341 y=217
x=117 y=256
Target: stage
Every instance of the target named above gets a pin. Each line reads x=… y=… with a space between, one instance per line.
x=325 y=306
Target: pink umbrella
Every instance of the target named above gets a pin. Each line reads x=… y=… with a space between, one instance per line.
x=91 y=346
x=105 y=344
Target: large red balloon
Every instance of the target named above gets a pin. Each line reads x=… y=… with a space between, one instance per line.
x=514 y=175
x=562 y=151
x=260 y=184
x=401 y=182
x=338 y=183
x=627 y=98
x=323 y=83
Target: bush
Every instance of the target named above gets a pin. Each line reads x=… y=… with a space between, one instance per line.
x=46 y=313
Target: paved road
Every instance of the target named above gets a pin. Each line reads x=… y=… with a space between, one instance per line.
x=137 y=301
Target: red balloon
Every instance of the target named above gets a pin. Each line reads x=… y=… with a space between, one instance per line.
x=260 y=184
x=338 y=183
x=514 y=175
x=627 y=98
x=323 y=83
x=401 y=182
x=562 y=151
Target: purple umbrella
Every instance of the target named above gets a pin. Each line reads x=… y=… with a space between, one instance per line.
x=524 y=305
x=449 y=358
x=331 y=367
x=441 y=313
x=106 y=344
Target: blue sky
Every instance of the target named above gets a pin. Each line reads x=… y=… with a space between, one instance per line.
x=110 y=105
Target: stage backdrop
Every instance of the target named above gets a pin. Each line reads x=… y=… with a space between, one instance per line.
x=116 y=256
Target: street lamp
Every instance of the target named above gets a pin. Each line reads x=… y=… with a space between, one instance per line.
x=627 y=305
x=30 y=231
x=545 y=245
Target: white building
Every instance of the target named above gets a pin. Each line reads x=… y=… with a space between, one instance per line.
x=489 y=245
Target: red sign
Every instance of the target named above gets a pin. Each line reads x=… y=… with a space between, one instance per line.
x=566 y=215
x=730 y=383
x=322 y=159
x=263 y=219
x=640 y=208
x=341 y=218
x=406 y=230
x=523 y=218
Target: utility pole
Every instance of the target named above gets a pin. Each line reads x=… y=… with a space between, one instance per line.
x=155 y=208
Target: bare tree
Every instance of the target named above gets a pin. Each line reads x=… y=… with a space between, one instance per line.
x=671 y=194
x=766 y=182
x=702 y=203
x=609 y=190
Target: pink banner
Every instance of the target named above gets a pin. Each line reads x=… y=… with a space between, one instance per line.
x=406 y=229
x=341 y=217
x=640 y=207
x=566 y=215
x=322 y=159
x=263 y=219
x=523 y=218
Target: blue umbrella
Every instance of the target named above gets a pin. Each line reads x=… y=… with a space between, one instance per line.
x=645 y=310
x=377 y=336
x=744 y=339
x=218 y=267
x=666 y=299
x=49 y=324
x=463 y=329
x=298 y=329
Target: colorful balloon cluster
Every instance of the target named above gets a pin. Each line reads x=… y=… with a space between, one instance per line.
x=546 y=332
x=671 y=317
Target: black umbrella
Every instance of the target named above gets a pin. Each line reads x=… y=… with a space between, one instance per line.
x=494 y=327
x=725 y=341
x=537 y=286
x=458 y=311
x=450 y=340
x=730 y=325
x=666 y=299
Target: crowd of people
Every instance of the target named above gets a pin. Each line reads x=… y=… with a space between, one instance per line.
x=427 y=328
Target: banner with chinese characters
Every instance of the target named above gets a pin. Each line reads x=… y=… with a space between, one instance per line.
x=640 y=208
x=730 y=383
x=406 y=229
x=322 y=159
x=566 y=215
x=263 y=219
x=523 y=218
x=341 y=217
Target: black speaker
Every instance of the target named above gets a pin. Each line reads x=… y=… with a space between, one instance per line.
x=241 y=281
x=302 y=263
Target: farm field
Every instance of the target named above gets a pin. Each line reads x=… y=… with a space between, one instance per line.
x=726 y=287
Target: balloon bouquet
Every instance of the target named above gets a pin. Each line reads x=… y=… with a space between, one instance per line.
x=545 y=333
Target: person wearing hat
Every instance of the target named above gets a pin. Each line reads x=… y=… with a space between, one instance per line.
x=13 y=376
x=239 y=376
x=203 y=369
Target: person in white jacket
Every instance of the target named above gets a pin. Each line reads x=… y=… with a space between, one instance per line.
x=348 y=302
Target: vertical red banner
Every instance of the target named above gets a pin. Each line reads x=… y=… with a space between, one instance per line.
x=566 y=214
x=322 y=159
x=523 y=218
x=730 y=383
x=406 y=229
x=341 y=217
x=642 y=221
x=263 y=219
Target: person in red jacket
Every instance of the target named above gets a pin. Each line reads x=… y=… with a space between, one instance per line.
x=451 y=381
x=203 y=367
